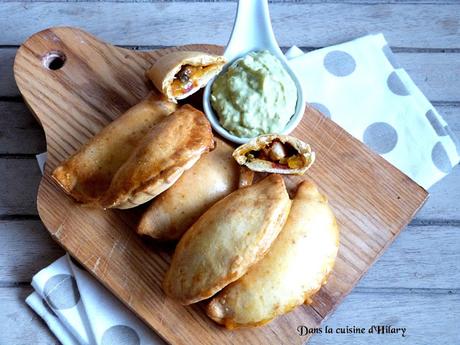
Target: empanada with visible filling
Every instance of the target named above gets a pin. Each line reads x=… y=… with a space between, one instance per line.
x=295 y=267
x=87 y=174
x=181 y=73
x=227 y=240
x=275 y=153
x=171 y=147
x=213 y=177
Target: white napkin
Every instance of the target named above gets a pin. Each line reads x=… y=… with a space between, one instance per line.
x=79 y=310
x=359 y=86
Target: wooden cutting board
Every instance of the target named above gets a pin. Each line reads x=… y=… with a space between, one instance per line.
x=97 y=82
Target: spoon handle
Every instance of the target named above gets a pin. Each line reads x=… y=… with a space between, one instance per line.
x=252 y=30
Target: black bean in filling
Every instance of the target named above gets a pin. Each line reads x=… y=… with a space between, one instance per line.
x=264 y=153
x=184 y=74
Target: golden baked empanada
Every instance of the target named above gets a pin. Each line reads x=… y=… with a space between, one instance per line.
x=181 y=73
x=275 y=153
x=87 y=174
x=171 y=147
x=214 y=176
x=294 y=268
x=227 y=240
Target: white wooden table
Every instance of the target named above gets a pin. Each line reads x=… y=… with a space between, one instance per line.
x=415 y=284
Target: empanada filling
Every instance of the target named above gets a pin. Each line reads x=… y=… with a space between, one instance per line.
x=281 y=155
x=188 y=78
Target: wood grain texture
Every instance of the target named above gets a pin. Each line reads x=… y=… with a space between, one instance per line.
x=20 y=132
x=164 y=23
x=19 y=186
x=7 y=84
x=17 y=196
x=18 y=325
x=18 y=238
x=14 y=312
x=412 y=261
x=444 y=205
x=399 y=309
x=20 y=135
x=364 y=2
x=434 y=73
x=96 y=84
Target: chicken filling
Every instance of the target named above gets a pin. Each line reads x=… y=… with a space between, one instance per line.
x=188 y=78
x=281 y=155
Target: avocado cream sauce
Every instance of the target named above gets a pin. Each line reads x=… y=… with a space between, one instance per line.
x=256 y=95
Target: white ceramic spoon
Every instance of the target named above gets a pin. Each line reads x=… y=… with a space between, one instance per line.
x=252 y=30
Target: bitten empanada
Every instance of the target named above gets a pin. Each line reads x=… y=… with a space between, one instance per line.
x=295 y=267
x=87 y=174
x=275 y=153
x=227 y=240
x=171 y=147
x=213 y=177
x=181 y=73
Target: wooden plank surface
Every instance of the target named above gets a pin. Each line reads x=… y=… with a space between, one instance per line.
x=400 y=309
x=25 y=236
x=20 y=133
x=441 y=204
x=363 y=2
x=412 y=261
x=161 y=22
x=386 y=293
x=406 y=309
x=19 y=324
x=20 y=127
x=363 y=238
x=19 y=186
x=433 y=73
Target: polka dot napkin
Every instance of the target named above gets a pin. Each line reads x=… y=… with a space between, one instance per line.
x=361 y=87
x=79 y=310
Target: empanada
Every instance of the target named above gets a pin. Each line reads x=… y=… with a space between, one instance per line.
x=275 y=153
x=295 y=267
x=171 y=147
x=214 y=176
x=227 y=240
x=181 y=73
x=87 y=174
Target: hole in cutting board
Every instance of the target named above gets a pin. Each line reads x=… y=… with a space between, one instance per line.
x=54 y=60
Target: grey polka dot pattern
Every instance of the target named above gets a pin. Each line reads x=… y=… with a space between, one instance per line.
x=120 y=334
x=321 y=108
x=47 y=307
x=431 y=116
x=61 y=291
x=396 y=85
x=380 y=137
x=440 y=158
x=390 y=56
x=339 y=63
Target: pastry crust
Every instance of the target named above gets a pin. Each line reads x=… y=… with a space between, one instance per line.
x=294 y=269
x=213 y=177
x=173 y=146
x=304 y=156
x=87 y=174
x=227 y=240
x=164 y=70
